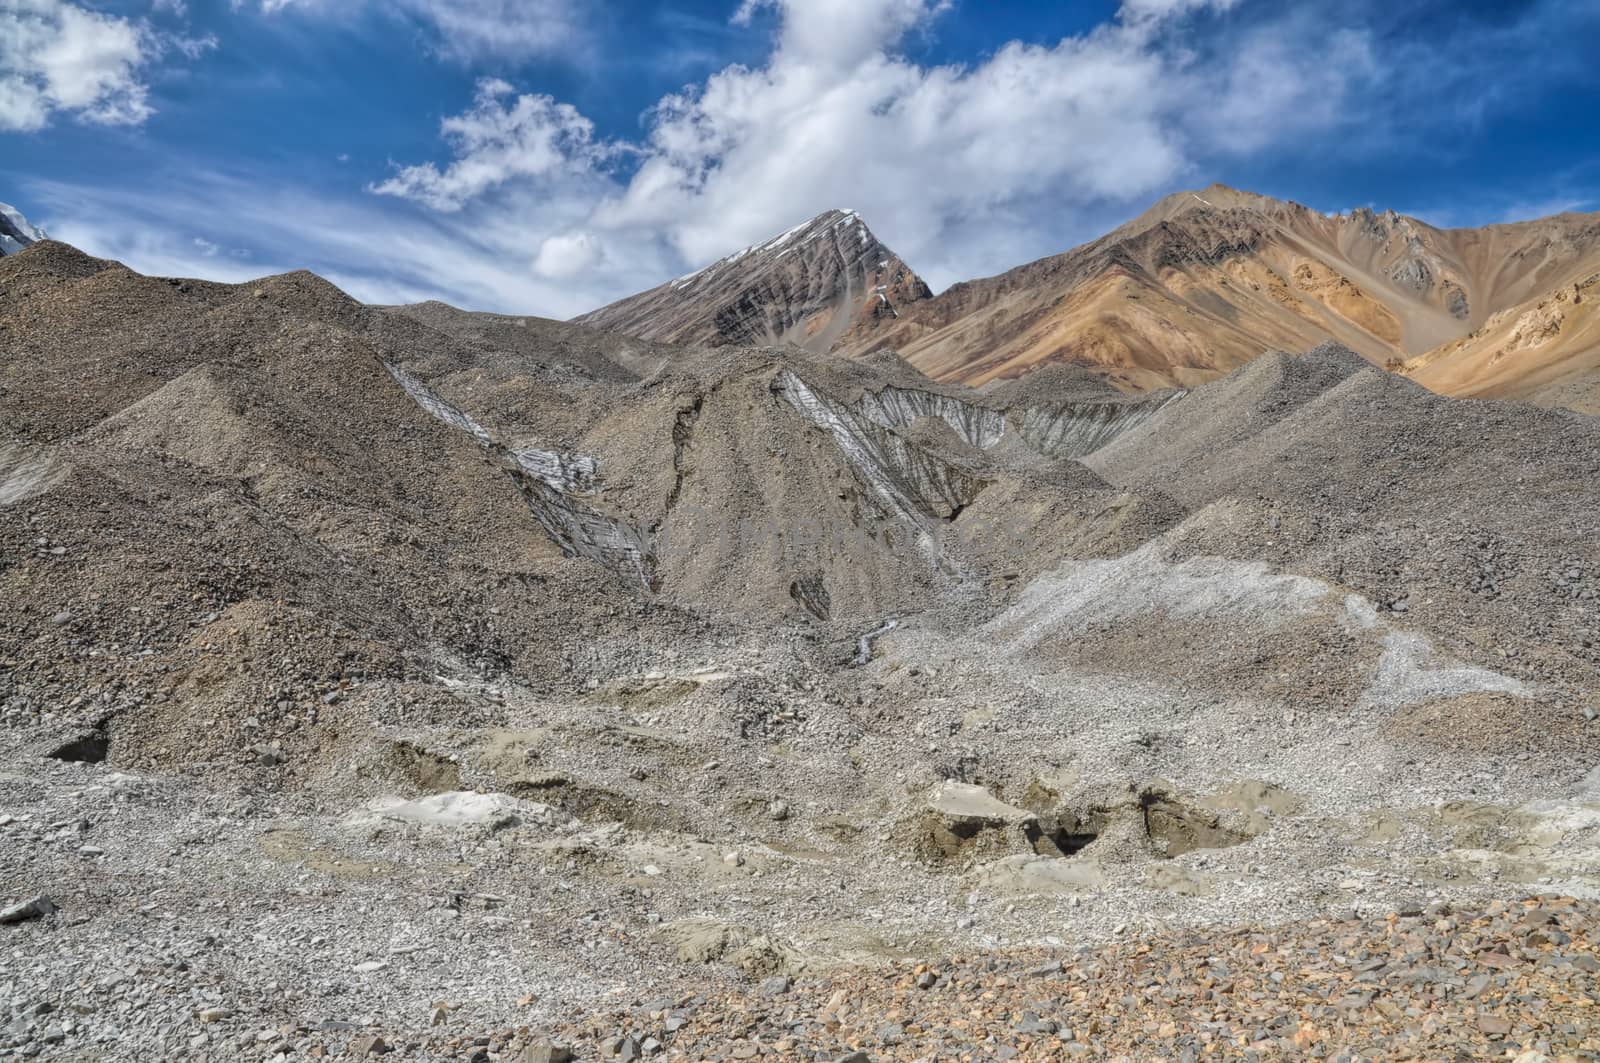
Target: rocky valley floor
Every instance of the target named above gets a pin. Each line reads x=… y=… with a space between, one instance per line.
x=411 y=683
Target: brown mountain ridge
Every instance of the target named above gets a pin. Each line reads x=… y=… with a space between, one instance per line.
x=1199 y=284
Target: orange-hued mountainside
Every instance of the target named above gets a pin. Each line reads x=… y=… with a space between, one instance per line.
x=1194 y=287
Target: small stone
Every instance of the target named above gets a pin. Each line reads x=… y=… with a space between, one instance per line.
x=650 y=1046
x=368 y=1046
x=61 y=618
x=37 y=908
x=1493 y=1025
x=775 y=986
x=854 y=1057
x=733 y=859
x=369 y=966
x=927 y=980
x=544 y=1050
x=331 y=697
x=778 y=811
x=210 y=1016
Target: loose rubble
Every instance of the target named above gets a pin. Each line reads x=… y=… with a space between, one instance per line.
x=899 y=731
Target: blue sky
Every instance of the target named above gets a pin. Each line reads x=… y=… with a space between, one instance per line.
x=546 y=156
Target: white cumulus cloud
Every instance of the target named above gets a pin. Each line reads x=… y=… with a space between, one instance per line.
x=952 y=165
x=61 y=57
x=963 y=169
x=567 y=255
x=503 y=137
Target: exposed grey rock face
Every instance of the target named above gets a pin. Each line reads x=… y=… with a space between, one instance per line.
x=1413 y=273
x=817 y=285
x=912 y=483
x=551 y=483
x=896 y=407
x=1081 y=428
x=584 y=532
x=15 y=232
x=564 y=472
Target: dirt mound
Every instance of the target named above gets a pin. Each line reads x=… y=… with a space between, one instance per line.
x=591 y=353
x=1052 y=384
x=1467 y=515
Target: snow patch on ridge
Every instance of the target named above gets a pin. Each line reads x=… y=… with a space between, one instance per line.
x=780 y=244
x=15 y=231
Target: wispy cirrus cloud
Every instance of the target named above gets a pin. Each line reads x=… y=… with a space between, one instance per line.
x=465 y=30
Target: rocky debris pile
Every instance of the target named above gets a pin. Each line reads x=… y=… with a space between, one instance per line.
x=1519 y=980
x=417 y=775
x=1440 y=509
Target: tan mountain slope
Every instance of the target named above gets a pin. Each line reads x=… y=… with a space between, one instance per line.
x=1546 y=348
x=824 y=284
x=1205 y=281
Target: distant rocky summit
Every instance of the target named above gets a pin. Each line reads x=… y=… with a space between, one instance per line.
x=15 y=232
x=824 y=284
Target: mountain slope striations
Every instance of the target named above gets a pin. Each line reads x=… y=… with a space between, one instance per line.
x=827 y=283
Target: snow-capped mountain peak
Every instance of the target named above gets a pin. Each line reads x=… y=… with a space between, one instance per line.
x=15 y=231
x=825 y=280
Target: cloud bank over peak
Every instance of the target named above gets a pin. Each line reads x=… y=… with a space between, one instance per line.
x=565 y=174
x=942 y=160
